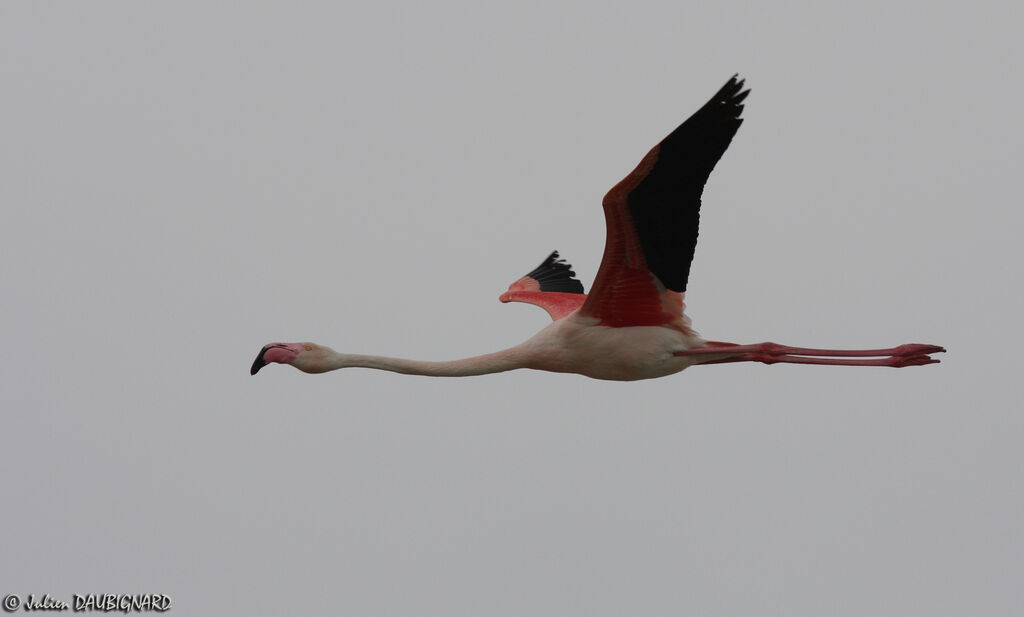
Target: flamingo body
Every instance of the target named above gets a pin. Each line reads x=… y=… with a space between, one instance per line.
x=632 y=325
x=579 y=344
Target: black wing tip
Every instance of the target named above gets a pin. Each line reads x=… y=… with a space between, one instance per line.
x=720 y=114
x=732 y=95
x=665 y=205
x=555 y=274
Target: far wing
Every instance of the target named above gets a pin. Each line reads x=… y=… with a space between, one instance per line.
x=551 y=285
x=652 y=216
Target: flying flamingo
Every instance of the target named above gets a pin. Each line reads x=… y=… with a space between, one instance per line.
x=631 y=326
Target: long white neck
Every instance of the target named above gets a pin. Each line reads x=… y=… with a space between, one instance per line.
x=497 y=362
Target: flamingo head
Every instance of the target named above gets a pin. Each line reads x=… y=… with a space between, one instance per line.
x=307 y=357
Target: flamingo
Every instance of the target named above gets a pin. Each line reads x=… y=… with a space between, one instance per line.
x=632 y=325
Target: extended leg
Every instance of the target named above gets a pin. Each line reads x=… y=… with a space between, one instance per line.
x=770 y=353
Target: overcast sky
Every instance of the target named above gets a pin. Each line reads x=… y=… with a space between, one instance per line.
x=184 y=182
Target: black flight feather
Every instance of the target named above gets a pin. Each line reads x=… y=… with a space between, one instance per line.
x=556 y=275
x=665 y=205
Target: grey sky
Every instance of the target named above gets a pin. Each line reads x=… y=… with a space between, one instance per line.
x=185 y=182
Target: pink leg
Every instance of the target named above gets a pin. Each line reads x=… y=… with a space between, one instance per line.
x=893 y=361
x=770 y=353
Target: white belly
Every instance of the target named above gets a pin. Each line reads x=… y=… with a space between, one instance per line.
x=571 y=345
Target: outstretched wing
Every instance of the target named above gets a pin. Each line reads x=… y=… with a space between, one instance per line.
x=552 y=286
x=652 y=216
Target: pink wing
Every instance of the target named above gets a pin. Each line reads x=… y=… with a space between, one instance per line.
x=551 y=285
x=652 y=216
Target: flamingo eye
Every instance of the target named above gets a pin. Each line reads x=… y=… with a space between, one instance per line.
x=308 y=347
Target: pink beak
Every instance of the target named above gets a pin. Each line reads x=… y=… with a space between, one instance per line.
x=262 y=360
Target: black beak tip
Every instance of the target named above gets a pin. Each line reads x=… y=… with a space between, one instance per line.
x=259 y=363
